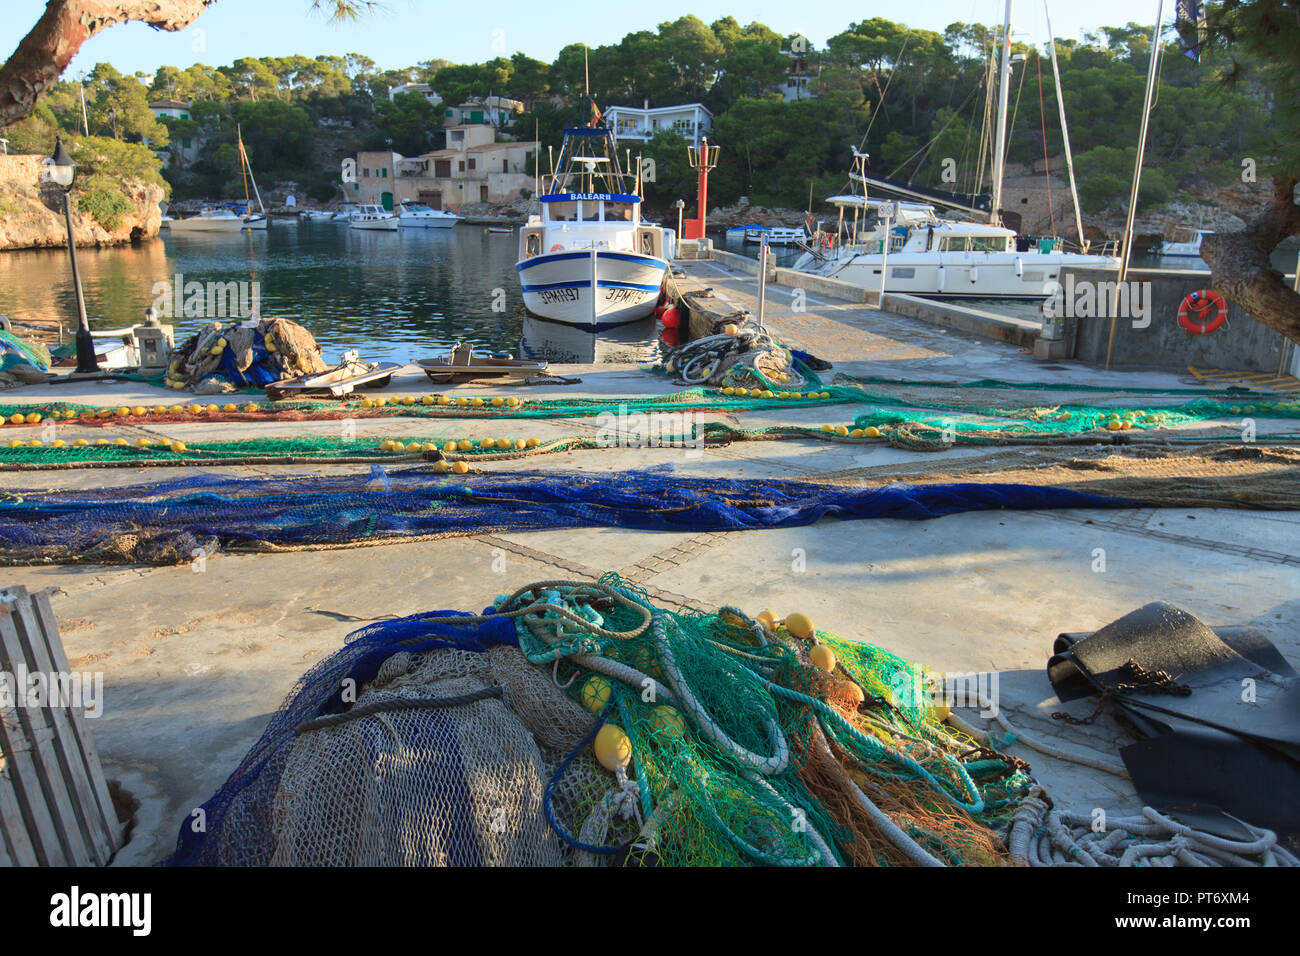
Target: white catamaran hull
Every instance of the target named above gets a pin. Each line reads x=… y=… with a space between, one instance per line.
x=1028 y=275
x=593 y=289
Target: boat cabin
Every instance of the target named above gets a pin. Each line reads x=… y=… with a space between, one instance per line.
x=590 y=220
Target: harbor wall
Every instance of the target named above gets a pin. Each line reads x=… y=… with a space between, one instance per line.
x=1243 y=344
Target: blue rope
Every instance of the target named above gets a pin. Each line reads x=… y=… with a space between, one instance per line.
x=550 y=787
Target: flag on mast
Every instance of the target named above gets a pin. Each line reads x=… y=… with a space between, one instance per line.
x=1190 y=21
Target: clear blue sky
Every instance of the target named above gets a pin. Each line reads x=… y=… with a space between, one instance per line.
x=404 y=32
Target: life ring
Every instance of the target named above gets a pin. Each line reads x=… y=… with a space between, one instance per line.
x=558 y=247
x=1201 y=302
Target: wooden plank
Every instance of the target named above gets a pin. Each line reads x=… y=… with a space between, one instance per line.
x=105 y=812
x=30 y=776
x=80 y=815
x=15 y=845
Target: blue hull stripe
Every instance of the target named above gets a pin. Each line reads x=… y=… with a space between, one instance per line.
x=586 y=284
x=620 y=256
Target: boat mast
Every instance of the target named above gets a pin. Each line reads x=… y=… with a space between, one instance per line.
x=1065 y=132
x=1000 y=143
x=1126 y=242
x=248 y=168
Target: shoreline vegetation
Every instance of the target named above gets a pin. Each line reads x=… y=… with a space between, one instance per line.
x=916 y=100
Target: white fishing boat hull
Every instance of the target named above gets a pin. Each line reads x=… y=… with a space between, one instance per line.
x=993 y=275
x=255 y=222
x=591 y=288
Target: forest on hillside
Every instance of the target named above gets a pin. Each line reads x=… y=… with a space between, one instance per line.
x=911 y=98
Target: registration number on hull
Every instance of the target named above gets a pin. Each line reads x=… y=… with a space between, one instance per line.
x=550 y=296
x=625 y=295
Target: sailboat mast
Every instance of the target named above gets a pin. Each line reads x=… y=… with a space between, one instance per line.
x=1065 y=132
x=243 y=160
x=1000 y=142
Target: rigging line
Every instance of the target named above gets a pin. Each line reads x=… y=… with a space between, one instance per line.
x=934 y=139
x=1047 y=168
x=883 y=93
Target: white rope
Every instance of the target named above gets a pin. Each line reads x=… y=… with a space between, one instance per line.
x=1096 y=761
x=1042 y=836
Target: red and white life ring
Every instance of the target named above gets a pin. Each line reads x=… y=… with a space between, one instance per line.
x=1195 y=309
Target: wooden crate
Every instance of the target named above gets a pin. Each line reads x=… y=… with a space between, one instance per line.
x=55 y=808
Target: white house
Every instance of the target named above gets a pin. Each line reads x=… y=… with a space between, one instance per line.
x=422 y=88
x=494 y=111
x=691 y=121
x=184 y=150
x=799 y=83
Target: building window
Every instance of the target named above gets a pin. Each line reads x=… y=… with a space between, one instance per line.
x=365 y=172
x=383 y=172
x=471 y=162
x=461 y=166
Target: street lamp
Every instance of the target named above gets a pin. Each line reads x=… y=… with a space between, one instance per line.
x=60 y=170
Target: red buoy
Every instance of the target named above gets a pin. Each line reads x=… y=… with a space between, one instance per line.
x=671 y=318
x=659 y=310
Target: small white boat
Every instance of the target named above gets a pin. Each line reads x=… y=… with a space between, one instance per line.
x=208 y=220
x=587 y=259
x=373 y=217
x=1188 y=248
x=345 y=212
x=753 y=234
x=315 y=215
x=417 y=215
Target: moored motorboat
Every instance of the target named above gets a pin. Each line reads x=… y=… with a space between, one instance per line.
x=208 y=220
x=417 y=215
x=373 y=217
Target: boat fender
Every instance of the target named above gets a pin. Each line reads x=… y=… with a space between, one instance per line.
x=1202 y=302
x=671 y=317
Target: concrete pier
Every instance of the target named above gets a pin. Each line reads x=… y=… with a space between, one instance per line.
x=197 y=659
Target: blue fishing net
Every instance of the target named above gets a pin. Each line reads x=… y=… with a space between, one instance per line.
x=165 y=522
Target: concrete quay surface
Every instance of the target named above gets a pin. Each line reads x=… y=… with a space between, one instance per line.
x=196 y=659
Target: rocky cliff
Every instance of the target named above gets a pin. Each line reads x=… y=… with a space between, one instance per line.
x=31 y=214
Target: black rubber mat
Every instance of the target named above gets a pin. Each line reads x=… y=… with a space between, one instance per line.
x=1221 y=679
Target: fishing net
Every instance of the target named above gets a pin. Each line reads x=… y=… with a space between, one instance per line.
x=578 y=722
x=238 y=355
x=173 y=521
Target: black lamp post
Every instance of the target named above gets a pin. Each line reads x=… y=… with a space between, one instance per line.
x=61 y=170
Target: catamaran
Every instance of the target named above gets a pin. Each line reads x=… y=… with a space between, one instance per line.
x=586 y=258
x=927 y=255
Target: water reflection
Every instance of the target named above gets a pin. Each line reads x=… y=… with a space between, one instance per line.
x=394 y=296
x=565 y=344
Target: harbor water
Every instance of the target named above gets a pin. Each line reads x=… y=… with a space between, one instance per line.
x=394 y=296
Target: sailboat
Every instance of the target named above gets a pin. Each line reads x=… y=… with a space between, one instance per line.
x=586 y=258
x=252 y=220
x=930 y=255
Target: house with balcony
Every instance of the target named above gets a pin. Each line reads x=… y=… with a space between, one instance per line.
x=472 y=169
x=800 y=83
x=496 y=112
x=691 y=121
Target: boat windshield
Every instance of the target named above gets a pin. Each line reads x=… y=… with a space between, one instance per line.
x=618 y=212
x=563 y=211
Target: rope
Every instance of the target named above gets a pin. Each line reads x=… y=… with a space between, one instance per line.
x=385 y=706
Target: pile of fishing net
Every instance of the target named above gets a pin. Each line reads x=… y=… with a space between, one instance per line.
x=740 y=356
x=22 y=362
x=576 y=722
x=252 y=353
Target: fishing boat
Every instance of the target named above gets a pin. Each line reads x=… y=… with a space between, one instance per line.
x=373 y=217
x=586 y=258
x=462 y=363
x=1187 y=248
x=351 y=373
x=417 y=215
